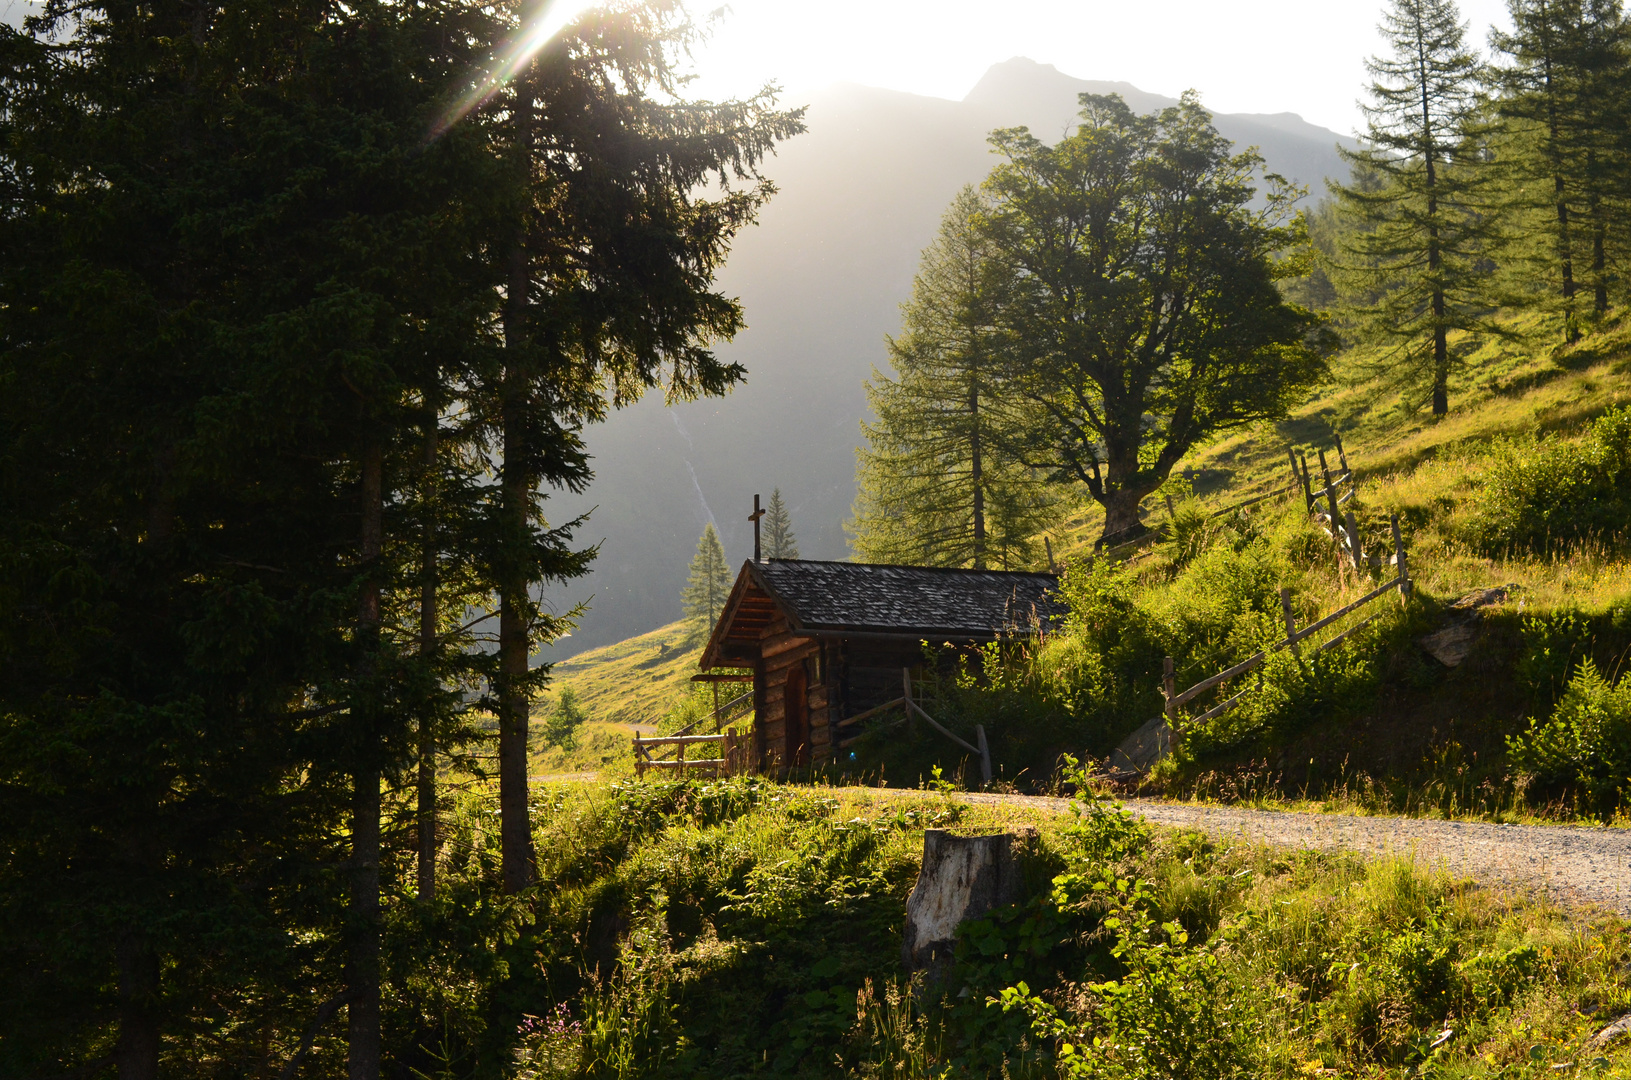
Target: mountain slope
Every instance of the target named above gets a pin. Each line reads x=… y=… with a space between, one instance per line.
x=634 y=681
x=821 y=279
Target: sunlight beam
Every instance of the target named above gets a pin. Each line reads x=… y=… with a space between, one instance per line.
x=552 y=17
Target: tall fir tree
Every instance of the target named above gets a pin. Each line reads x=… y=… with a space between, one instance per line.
x=779 y=542
x=1563 y=97
x=625 y=200
x=708 y=585
x=1414 y=266
x=935 y=486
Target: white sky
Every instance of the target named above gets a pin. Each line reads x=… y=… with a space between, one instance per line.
x=1242 y=55
x=1302 y=56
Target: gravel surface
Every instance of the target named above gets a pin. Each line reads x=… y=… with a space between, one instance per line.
x=1571 y=864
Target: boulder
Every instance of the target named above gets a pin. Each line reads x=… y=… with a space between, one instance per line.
x=1143 y=747
x=1451 y=644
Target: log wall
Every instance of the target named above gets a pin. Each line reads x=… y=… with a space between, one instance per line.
x=781 y=650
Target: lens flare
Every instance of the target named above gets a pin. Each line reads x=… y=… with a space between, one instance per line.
x=551 y=18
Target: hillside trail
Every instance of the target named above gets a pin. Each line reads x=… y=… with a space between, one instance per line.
x=1574 y=865
x=1578 y=866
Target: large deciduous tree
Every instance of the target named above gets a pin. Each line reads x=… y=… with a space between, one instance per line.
x=937 y=482
x=1142 y=313
x=1414 y=265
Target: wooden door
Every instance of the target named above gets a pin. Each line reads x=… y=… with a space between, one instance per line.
x=796 y=713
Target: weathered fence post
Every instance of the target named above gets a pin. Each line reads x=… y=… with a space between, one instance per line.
x=1291 y=623
x=985 y=754
x=1399 y=558
x=1342 y=455
x=1354 y=547
x=1296 y=473
x=1331 y=502
x=1171 y=513
x=1308 y=486
x=1169 y=689
x=906 y=693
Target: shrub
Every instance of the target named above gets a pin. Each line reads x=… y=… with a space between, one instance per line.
x=1538 y=494
x=1585 y=744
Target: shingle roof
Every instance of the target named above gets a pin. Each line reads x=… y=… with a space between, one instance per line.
x=916 y=601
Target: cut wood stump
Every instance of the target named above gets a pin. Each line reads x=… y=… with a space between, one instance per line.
x=962 y=878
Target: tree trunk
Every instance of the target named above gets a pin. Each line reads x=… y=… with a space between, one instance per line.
x=362 y=955
x=1121 y=521
x=515 y=607
x=976 y=473
x=427 y=652
x=1441 y=352
x=1441 y=360
x=137 y=1053
x=1599 y=272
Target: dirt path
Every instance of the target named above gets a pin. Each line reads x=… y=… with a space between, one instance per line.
x=1573 y=865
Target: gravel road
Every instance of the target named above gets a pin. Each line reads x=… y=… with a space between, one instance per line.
x=1573 y=865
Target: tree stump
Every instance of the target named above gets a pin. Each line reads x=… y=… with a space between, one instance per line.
x=962 y=878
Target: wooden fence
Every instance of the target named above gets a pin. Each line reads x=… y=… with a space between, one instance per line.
x=1176 y=699
x=734 y=753
x=727 y=744
x=908 y=705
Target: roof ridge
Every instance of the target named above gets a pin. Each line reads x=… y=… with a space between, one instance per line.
x=909 y=566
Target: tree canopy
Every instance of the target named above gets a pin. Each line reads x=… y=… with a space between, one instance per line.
x=1143 y=312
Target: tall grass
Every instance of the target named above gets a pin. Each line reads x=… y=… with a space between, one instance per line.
x=721 y=930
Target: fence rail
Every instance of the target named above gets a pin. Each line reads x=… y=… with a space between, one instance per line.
x=1175 y=698
x=910 y=708
x=733 y=752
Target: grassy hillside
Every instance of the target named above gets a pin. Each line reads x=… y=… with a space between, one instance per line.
x=742 y=928
x=634 y=681
x=1506 y=389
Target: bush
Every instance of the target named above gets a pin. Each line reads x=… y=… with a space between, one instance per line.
x=1585 y=744
x=1539 y=494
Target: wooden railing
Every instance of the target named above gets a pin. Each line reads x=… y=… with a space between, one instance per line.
x=908 y=705
x=1176 y=699
x=1325 y=504
x=733 y=750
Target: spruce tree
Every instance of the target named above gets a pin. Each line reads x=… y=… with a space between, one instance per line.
x=1414 y=264
x=625 y=198
x=935 y=486
x=708 y=585
x=1563 y=100
x=779 y=542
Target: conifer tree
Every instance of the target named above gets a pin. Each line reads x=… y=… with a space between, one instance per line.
x=709 y=583
x=935 y=486
x=625 y=199
x=779 y=542
x=1414 y=264
x=1563 y=97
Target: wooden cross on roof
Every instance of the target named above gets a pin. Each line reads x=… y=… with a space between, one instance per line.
x=754 y=517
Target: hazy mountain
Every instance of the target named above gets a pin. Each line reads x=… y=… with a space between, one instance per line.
x=821 y=278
